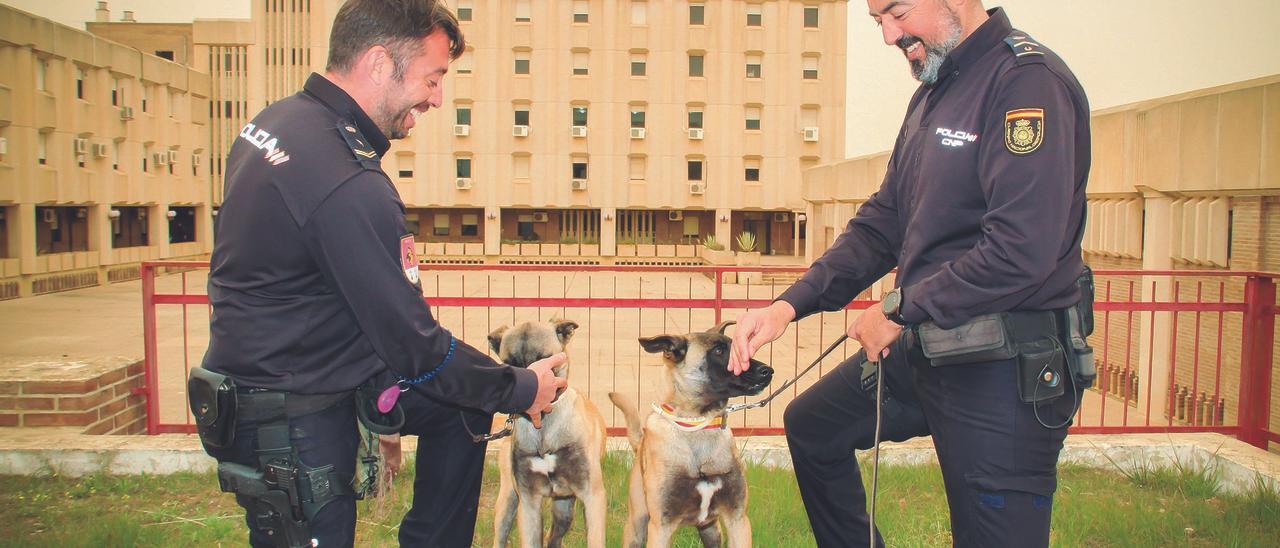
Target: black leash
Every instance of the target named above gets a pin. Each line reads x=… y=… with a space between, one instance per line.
x=788 y=384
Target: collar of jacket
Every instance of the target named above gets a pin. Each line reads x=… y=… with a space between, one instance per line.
x=989 y=34
x=345 y=107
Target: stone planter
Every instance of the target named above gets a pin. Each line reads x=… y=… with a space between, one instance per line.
x=646 y=250
x=474 y=250
x=453 y=248
x=530 y=250
x=590 y=250
x=549 y=250
x=686 y=250
x=569 y=250
x=510 y=249
x=666 y=250
x=626 y=250
x=749 y=259
x=716 y=257
x=433 y=248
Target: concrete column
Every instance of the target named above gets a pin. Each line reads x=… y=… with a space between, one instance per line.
x=795 y=237
x=814 y=229
x=22 y=234
x=1157 y=329
x=204 y=227
x=100 y=234
x=724 y=227
x=492 y=230
x=158 y=230
x=608 y=231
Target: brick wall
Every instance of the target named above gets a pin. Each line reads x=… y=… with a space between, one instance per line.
x=101 y=405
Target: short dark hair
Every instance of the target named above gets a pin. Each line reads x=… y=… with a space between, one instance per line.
x=397 y=25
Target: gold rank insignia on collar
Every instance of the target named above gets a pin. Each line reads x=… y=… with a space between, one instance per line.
x=359 y=144
x=1023 y=130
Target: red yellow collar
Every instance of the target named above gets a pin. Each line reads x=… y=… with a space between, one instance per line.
x=689 y=424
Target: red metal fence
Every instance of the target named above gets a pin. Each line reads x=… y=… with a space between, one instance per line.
x=1177 y=351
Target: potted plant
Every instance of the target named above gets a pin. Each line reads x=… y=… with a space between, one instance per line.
x=714 y=252
x=748 y=256
x=510 y=247
x=530 y=248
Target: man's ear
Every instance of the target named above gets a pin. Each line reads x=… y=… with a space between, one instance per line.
x=564 y=329
x=495 y=339
x=376 y=64
x=672 y=347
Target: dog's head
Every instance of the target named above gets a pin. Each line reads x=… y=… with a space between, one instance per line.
x=699 y=366
x=528 y=342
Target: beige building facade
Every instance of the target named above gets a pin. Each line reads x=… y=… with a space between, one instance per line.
x=102 y=152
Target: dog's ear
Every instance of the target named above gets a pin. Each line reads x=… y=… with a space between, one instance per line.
x=672 y=346
x=564 y=329
x=720 y=328
x=495 y=339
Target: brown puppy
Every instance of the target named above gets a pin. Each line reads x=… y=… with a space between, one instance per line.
x=561 y=460
x=687 y=470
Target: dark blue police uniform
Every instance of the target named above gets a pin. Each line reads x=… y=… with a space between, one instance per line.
x=982 y=210
x=314 y=289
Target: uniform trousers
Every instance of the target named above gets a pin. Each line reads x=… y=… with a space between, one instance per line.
x=999 y=465
x=448 y=470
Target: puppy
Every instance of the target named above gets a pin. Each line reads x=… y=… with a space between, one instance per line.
x=687 y=470
x=561 y=460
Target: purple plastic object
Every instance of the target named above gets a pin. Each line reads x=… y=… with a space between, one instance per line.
x=387 y=399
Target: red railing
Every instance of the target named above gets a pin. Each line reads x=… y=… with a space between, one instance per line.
x=1205 y=338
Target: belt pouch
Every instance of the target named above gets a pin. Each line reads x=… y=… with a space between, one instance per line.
x=984 y=338
x=1041 y=368
x=212 y=397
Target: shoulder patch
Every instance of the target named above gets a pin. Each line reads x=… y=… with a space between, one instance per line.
x=1024 y=48
x=1023 y=130
x=357 y=141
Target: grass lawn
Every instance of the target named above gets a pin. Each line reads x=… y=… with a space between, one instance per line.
x=1092 y=508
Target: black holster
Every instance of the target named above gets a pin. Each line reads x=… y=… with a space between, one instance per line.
x=212 y=397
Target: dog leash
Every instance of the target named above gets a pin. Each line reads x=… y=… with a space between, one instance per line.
x=875 y=458
x=784 y=387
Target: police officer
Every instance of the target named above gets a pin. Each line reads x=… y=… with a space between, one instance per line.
x=315 y=292
x=982 y=210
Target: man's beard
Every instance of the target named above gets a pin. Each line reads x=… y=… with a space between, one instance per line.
x=926 y=71
x=390 y=121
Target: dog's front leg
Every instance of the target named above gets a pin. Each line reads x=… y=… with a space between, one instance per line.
x=738 y=527
x=504 y=514
x=530 y=516
x=595 y=505
x=636 y=529
x=660 y=533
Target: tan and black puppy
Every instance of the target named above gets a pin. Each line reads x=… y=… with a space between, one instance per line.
x=561 y=460
x=687 y=470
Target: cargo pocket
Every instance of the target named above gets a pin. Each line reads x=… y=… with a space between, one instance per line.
x=1009 y=510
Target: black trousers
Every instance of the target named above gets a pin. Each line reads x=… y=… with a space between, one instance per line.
x=999 y=465
x=446 y=487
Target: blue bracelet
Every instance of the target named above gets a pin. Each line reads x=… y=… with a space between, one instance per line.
x=405 y=383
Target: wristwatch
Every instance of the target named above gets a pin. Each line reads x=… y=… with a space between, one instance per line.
x=892 y=306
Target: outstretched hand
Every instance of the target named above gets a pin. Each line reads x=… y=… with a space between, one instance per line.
x=757 y=328
x=549 y=386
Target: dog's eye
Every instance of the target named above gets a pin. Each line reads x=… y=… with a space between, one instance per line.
x=718 y=350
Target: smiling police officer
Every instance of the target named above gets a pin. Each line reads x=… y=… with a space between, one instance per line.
x=982 y=210
x=315 y=293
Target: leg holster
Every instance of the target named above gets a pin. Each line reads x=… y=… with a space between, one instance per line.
x=282 y=493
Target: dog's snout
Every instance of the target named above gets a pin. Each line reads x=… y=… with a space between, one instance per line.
x=766 y=371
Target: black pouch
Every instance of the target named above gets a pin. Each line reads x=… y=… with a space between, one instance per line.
x=212 y=397
x=983 y=339
x=1041 y=369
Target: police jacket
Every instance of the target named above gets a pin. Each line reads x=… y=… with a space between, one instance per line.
x=313 y=278
x=982 y=207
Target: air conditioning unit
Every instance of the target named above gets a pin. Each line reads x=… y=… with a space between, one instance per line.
x=100 y=150
x=697 y=188
x=461 y=130
x=126 y=113
x=578 y=184
x=113 y=214
x=637 y=133
x=578 y=131
x=82 y=212
x=463 y=183
x=782 y=217
x=171 y=214
x=160 y=158
x=675 y=215
x=51 y=216
x=173 y=157
x=82 y=145
x=541 y=216
x=4 y=146
x=695 y=133
x=195 y=160
x=520 y=131
x=811 y=134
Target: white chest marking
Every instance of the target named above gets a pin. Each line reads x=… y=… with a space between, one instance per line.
x=543 y=465
x=706 y=489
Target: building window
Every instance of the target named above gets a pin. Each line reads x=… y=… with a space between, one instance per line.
x=695 y=117
x=146 y=157
x=755 y=17
x=579 y=115
x=522 y=11
x=522 y=62
x=580 y=168
x=173 y=104
x=811 y=17
x=695 y=169
x=691 y=228
x=520 y=165
x=470 y=224
x=129 y=227
x=182 y=224
x=580 y=11
x=809 y=116
x=636 y=167
x=404 y=166
x=522 y=116
x=753 y=65
x=752 y=166
x=697 y=13
x=116 y=93
x=146 y=95
x=164 y=54
x=639 y=12
x=462 y=115
x=580 y=63
x=696 y=64
x=753 y=117
x=42 y=67
x=42 y=148
x=115 y=155
x=464 y=10
x=61 y=229
x=80 y=75
x=463 y=164
x=637 y=115
x=463 y=65
x=171 y=161
x=638 y=62
x=810 y=67
x=440 y=225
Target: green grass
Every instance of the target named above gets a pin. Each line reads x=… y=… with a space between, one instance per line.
x=1094 y=507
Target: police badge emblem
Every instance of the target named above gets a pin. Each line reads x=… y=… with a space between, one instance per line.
x=1023 y=130
x=409 y=258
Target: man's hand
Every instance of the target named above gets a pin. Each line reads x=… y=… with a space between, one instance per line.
x=389 y=445
x=875 y=332
x=549 y=386
x=757 y=328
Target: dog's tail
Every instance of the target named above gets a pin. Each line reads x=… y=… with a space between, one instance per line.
x=634 y=428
